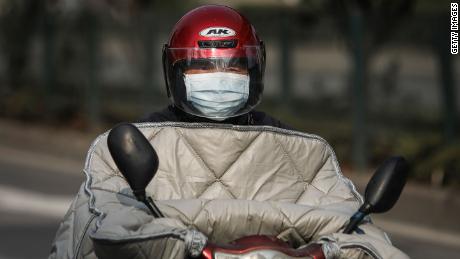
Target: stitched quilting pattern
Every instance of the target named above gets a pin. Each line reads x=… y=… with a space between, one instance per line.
x=269 y=180
x=257 y=165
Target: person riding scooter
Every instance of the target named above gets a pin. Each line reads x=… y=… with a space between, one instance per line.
x=214 y=65
x=211 y=172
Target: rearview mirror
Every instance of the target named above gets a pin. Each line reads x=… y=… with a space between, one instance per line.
x=136 y=159
x=382 y=191
x=385 y=187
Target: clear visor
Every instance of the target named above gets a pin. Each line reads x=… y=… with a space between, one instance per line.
x=216 y=83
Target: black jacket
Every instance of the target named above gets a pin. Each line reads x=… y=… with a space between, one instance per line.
x=174 y=114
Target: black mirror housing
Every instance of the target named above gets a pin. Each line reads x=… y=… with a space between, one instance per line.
x=382 y=191
x=385 y=187
x=136 y=159
x=134 y=156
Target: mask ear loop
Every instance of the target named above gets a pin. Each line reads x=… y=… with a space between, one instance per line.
x=165 y=69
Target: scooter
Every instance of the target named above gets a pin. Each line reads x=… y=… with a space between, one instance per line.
x=138 y=162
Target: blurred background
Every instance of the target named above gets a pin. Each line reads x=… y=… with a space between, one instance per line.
x=373 y=77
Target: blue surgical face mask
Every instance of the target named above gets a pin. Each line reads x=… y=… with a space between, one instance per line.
x=217 y=95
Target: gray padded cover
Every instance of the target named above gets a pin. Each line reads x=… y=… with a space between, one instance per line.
x=226 y=182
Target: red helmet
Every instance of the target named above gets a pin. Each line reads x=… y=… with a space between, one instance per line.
x=214 y=47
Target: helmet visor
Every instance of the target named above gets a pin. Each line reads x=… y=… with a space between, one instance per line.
x=215 y=83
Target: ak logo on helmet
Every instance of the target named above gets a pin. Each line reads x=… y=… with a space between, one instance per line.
x=217 y=32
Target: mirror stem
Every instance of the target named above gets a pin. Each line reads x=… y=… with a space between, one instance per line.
x=153 y=208
x=140 y=196
x=354 y=221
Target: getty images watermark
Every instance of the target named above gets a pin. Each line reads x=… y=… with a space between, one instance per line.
x=454 y=28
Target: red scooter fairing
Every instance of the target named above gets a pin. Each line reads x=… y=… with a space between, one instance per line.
x=259 y=246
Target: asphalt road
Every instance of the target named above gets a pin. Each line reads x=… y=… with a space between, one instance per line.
x=27 y=230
